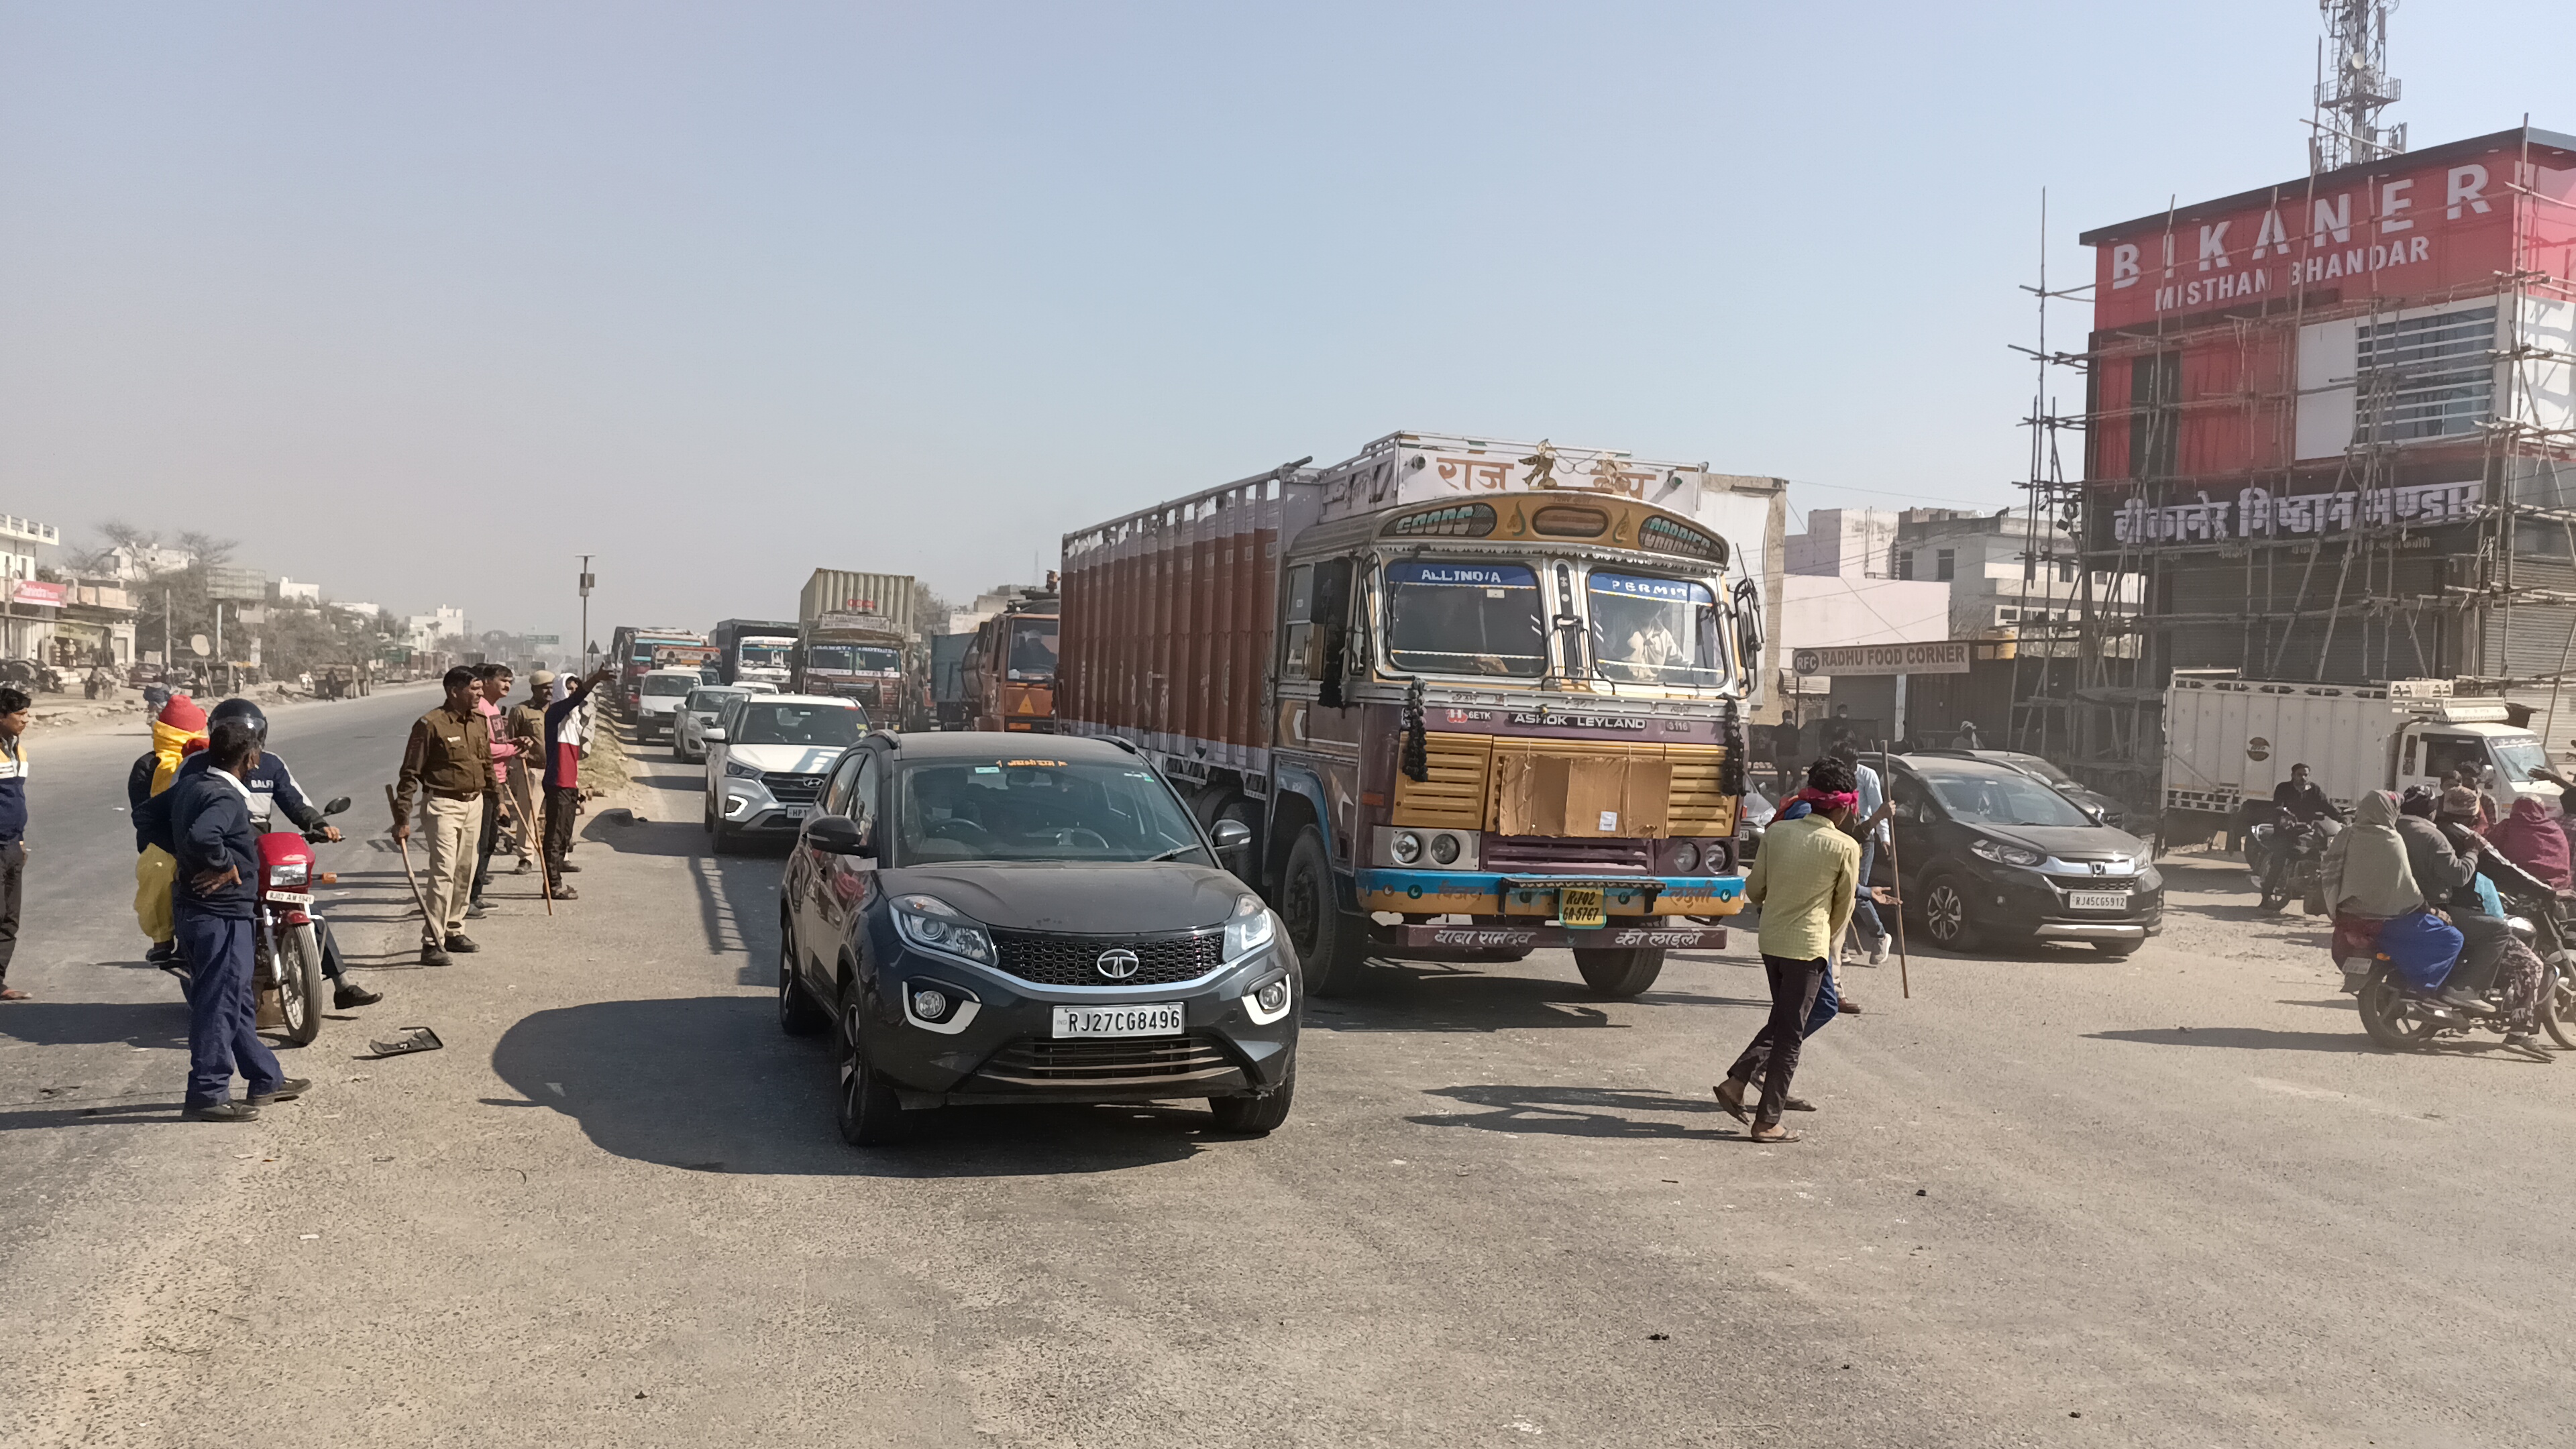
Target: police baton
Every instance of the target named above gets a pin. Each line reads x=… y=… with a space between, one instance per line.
x=403 y=844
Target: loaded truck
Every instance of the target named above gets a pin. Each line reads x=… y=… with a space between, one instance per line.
x=1008 y=677
x=2229 y=741
x=1471 y=697
x=754 y=651
x=856 y=640
x=632 y=653
x=948 y=703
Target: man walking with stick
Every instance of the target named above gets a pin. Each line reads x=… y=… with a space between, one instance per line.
x=448 y=760
x=1805 y=881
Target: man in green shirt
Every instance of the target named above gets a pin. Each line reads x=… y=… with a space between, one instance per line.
x=1805 y=881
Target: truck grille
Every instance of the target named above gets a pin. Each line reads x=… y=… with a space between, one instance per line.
x=794 y=789
x=1052 y=960
x=1533 y=852
x=1146 y=1062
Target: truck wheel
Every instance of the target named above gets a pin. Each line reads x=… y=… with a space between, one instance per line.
x=1619 y=973
x=1257 y=1116
x=1945 y=915
x=1327 y=941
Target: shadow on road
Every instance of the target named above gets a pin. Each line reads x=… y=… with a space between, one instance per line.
x=737 y=893
x=97 y=1023
x=2246 y=1038
x=1413 y=996
x=708 y=1084
x=1574 y=1112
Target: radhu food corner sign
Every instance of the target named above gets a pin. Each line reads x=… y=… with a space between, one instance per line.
x=1947 y=656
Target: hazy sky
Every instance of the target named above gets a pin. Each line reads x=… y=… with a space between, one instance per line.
x=422 y=300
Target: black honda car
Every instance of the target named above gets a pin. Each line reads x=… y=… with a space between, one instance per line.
x=989 y=918
x=1991 y=855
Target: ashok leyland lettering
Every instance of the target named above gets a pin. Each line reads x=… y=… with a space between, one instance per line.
x=1473 y=698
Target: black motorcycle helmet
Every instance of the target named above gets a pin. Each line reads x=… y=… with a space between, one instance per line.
x=246 y=712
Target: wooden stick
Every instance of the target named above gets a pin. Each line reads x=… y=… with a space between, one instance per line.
x=528 y=823
x=1896 y=873
x=402 y=844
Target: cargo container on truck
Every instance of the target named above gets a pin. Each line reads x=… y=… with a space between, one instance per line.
x=756 y=650
x=2229 y=742
x=1010 y=668
x=631 y=653
x=1473 y=697
x=856 y=639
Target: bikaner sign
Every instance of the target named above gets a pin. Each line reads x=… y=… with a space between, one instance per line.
x=2399 y=231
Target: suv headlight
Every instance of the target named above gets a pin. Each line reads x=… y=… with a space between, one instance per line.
x=933 y=925
x=294 y=874
x=1249 y=931
x=740 y=771
x=2002 y=854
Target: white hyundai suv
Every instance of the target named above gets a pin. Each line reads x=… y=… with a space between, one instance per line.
x=767 y=758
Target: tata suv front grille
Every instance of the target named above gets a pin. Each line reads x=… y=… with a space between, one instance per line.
x=1048 y=959
x=793 y=789
x=1141 y=1062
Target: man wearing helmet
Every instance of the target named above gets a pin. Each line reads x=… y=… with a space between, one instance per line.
x=270 y=788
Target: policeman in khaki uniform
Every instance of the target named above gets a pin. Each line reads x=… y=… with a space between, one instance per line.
x=449 y=761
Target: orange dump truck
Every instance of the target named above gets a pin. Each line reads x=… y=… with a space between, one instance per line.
x=1473 y=698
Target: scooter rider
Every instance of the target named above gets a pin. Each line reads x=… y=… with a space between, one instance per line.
x=271 y=788
x=2445 y=874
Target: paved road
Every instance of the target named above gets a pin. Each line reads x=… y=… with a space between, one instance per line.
x=2176 y=1196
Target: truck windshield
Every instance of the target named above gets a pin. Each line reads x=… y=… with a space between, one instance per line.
x=1656 y=631
x=1465 y=618
x=852 y=658
x=1033 y=649
x=2517 y=756
x=1039 y=810
x=762 y=654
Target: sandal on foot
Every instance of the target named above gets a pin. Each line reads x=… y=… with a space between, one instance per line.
x=1734 y=1105
x=1782 y=1135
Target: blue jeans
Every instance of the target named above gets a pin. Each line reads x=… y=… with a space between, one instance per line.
x=1865 y=922
x=223 y=1010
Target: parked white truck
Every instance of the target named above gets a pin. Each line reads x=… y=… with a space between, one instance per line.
x=2229 y=741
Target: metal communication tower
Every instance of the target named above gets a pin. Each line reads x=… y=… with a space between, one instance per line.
x=2353 y=87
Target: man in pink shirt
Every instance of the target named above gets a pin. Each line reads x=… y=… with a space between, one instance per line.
x=493 y=685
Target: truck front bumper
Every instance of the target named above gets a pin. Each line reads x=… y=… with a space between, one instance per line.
x=1533 y=894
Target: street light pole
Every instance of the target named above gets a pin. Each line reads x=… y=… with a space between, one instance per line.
x=586 y=580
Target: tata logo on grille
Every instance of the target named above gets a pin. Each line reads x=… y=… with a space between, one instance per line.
x=1117 y=965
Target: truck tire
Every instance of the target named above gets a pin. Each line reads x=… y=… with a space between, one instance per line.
x=1620 y=974
x=1329 y=942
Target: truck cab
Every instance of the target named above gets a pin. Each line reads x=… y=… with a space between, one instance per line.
x=1008 y=676
x=2472 y=734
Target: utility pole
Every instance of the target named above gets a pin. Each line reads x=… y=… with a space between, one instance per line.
x=587 y=579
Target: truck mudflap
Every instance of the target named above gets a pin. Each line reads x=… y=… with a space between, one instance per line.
x=1524 y=938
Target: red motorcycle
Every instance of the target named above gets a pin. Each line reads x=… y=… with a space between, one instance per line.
x=287 y=939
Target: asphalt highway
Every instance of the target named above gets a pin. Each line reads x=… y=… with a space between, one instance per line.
x=2060 y=1199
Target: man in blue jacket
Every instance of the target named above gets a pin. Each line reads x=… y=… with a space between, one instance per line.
x=211 y=902
x=272 y=790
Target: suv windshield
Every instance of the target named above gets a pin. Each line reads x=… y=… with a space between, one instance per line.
x=852 y=657
x=1655 y=631
x=708 y=701
x=1465 y=618
x=1033 y=649
x=670 y=683
x=1039 y=809
x=2005 y=797
x=773 y=722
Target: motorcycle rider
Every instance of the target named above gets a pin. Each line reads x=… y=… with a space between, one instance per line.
x=2446 y=874
x=2295 y=801
x=271 y=787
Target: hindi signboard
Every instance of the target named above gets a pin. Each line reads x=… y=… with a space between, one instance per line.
x=1946 y=656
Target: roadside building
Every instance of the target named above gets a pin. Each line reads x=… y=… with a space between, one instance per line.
x=2331 y=430
x=1838 y=592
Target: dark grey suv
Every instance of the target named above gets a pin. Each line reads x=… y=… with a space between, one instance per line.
x=990 y=918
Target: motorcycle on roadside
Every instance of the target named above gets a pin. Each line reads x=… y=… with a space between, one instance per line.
x=2284 y=856
x=287 y=930
x=2405 y=1017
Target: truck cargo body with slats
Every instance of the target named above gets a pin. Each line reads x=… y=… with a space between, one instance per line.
x=1470 y=697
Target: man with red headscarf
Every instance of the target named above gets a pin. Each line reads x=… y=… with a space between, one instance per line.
x=1805 y=880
